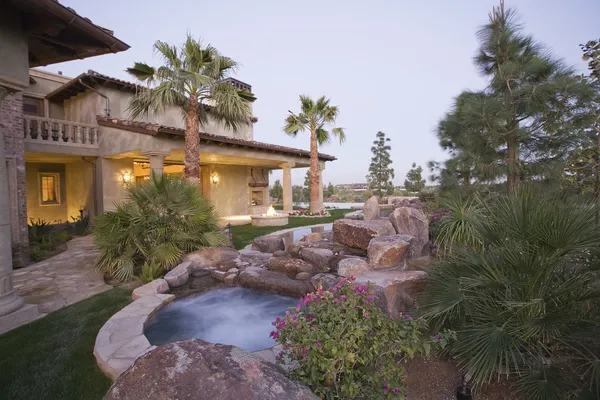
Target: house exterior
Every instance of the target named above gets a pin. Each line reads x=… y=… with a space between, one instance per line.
x=32 y=33
x=82 y=150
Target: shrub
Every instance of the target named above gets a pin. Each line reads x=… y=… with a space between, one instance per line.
x=456 y=226
x=162 y=219
x=81 y=225
x=526 y=304
x=346 y=347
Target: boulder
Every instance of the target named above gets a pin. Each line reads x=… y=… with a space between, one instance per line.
x=195 y=369
x=254 y=258
x=210 y=257
x=233 y=271
x=355 y=215
x=411 y=221
x=371 y=209
x=231 y=280
x=294 y=249
x=271 y=281
x=313 y=237
x=395 y=291
x=324 y=281
x=303 y=276
x=179 y=275
x=281 y=253
x=318 y=257
x=289 y=266
x=335 y=260
x=218 y=275
x=157 y=286
x=390 y=251
x=268 y=243
x=359 y=233
x=352 y=267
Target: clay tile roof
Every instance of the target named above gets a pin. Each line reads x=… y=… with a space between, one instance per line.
x=154 y=129
x=90 y=78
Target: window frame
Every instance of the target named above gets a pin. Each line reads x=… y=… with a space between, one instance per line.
x=41 y=105
x=56 y=177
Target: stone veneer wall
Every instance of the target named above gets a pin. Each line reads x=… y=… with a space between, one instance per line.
x=11 y=123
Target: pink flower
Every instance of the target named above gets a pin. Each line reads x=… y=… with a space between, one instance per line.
x=369 y=298
x=395 y=390
x=386 y=388
x=366 y=314
x=318 y=344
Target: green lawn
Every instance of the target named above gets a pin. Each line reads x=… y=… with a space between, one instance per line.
x=52 y=358
x=243 y=234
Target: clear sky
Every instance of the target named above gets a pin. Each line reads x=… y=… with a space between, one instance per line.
x=389 y=65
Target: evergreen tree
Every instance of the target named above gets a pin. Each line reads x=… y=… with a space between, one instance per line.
x=298 y=194
x=521 y=125
x=306 y=189
x=330 y=191
x=414 y=181
x=380 y=172
x=276 y=191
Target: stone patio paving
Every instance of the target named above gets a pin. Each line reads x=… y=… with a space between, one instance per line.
x=62 y=280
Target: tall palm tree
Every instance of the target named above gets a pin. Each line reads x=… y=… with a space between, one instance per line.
x=315 y=117
x=191 y=78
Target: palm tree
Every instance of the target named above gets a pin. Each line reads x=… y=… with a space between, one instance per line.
x=191 y=78
x=315 y=117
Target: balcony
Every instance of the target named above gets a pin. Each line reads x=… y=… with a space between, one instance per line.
x=59 y=136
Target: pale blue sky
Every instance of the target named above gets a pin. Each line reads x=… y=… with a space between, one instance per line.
x=389 y=65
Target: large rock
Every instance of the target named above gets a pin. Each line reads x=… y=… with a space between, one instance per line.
x=157 y=286
x=289 y=266
x=254 y=258
x=359 y=233
x=371 y=209
x=411 y=221
x=271 y=281
x=352 y=267
x=335 y=260
x=195 y=369
x=318 y=257
x=390 y=251
x=395 y=291
x=268 y=243
x=323 y=281
x=356 y=215
x=179 y=275
x=210 y=257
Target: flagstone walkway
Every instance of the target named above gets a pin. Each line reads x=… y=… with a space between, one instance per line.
x=62 y=280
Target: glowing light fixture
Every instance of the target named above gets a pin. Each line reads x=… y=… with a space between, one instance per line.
x=214 y=178
x=126 y=176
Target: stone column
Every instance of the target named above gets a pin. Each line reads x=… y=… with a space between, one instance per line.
x=321 y=168
x=157 y=159
x=12 y=310
x=288 y=204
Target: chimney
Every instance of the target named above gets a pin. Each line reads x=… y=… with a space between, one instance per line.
x=60 y=72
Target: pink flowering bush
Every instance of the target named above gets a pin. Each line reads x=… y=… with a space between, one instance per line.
x=347 y=348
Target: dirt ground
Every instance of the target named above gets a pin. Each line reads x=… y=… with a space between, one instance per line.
x=438 y=379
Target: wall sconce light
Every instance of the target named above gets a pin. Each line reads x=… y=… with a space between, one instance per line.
x=126 y=177
x=214 y=178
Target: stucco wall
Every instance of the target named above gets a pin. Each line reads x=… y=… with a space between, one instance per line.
x=230 y=196
x=80 y=186
x=51 y=212
x=111 y=183
x=14 y=58
x=85 y=106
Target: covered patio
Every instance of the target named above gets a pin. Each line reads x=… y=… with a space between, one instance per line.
x=234 y=172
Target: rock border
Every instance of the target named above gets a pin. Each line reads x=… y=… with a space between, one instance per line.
x=121 y=340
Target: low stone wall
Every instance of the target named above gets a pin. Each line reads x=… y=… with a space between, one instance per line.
x=121 y=340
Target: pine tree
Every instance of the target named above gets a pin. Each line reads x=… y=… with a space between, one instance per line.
x=330 y=191
x=307 y=186
x=276 y=191
x=521 y=125
x=414 y=181
x=380 y=173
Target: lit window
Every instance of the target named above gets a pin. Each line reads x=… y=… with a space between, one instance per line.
x=49 y=188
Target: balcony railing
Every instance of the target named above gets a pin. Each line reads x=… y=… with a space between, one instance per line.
x=59 y=132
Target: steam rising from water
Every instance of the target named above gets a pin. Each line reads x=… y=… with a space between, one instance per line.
x=236 y=316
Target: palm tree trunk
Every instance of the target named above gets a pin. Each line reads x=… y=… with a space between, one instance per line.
x=192 y=144
x=314 y=172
